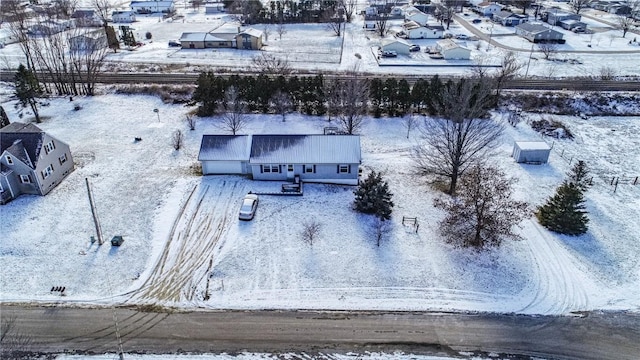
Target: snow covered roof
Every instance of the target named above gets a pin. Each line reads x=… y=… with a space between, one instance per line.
x=252 y=32
x=532 y=145
x=22 y=141
x=387 y=41
x=533 y=28
x=193 y=36
x=298 y=149
x=224 y=147
x=448 y=44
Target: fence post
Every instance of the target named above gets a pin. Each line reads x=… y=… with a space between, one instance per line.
x=616 y=187
x=635 y=181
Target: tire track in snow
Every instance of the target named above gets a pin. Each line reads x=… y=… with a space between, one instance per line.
x=558 y=286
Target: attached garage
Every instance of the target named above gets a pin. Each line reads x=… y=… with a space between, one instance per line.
x=531 y=152
x=224 y=154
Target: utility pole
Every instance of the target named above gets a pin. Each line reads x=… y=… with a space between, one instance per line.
x=94 y=212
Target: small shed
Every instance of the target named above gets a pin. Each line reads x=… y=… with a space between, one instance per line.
x=531 y=152
x=117 y=240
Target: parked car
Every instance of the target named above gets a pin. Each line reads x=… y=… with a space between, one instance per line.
x=249 y=207
x=389 y=53
x=413 y=48
x=173 y=43
x=476 y=21
x=578 y=29
x=462 y=37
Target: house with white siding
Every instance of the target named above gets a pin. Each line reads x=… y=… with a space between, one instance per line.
x=400 y=46
x=152 y=7
x=332 y=159
x=31 y=161
x=451 y=50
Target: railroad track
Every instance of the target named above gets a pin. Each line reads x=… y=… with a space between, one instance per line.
x=576 y=84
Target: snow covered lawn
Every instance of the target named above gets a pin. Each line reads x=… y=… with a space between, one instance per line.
x=187 y=225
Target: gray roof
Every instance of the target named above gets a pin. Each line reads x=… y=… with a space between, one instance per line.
x=224 y=147
x=23 y=141
x=305 y=149
x=533 y=28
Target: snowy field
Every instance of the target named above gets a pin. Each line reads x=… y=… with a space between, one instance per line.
x=290 y=356
x=185 y=247
x=313 y=47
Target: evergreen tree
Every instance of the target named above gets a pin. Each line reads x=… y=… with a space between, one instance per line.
x=404 y=97
x=373 y=197
x=578 y=175
x=28 y=89
x=565 y=212
x=375 y=95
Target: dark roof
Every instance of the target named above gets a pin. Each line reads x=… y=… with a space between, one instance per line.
x=224 y=147
x=533 y=28
x=23 y=141
x=310 y=149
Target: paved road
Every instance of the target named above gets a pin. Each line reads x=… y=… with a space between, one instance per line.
x=593 y=336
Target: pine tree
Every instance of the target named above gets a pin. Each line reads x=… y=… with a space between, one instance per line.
x=578 y=175
x=373 y=197
x=565 y=212
x=28 y=89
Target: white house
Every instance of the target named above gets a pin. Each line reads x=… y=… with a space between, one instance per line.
x=89 y=41
x=416 y=15
x=400 y=46
x=333 y=159
x=413 y=30
x=487 y=8
x=151 y=7
x=123 y=16
x=451 y=50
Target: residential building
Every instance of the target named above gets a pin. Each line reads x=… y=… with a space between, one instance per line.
x=538 y=33
x=451 y=50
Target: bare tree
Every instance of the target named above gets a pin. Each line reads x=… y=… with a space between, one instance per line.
x=87 y=57
x=523 y=4
x=548 y=49
x=410 y=122
x=381 y=24
x=578 y=5
x=462 y=136
x=177 y=139
x=353 y=95
x=103 y=8
x=508 y=70
x=281 y=103
x=233 y=111
x=266 y=30
x=446 y=10
x=380 y=229
x=65 y=8
x=281 y=29
x=483 y=213
x=348 y=7
x=310 y=231
x=607 y=73
x=191 y=122
x=480 y=69
x=624 y=22
x=514 y=117
x=334 y=20
x=270 y=64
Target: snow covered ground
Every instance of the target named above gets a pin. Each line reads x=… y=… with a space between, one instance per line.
x=290 y=356
x=185 y=247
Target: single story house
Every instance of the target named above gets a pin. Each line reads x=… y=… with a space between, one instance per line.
x=416 y=15
x=555 y=16
x=50 y=27
x=507 y=18
x=620 y=9
x=214 y=8
x=413 y=30
x=451 y=50
x=123 y=16
x=400 y=46
x=31 y=161
x=538 y=33
x=89 y=41
x=249 y=39
x=333 y=159
x=151 y=7
x=531 y=152
x=86 y=18
x=572 y=24
x=487 y=8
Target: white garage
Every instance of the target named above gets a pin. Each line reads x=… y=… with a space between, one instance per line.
x=224 y=154
x=531 y=152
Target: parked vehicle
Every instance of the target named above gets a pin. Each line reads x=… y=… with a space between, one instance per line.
x=462 y=37
x=413 y=48
x=173 y=43
x=389 y=53
x=476 y=21
x=578 y=29
x=249 y=207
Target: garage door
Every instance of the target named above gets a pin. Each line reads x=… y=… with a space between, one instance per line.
x=221 y=167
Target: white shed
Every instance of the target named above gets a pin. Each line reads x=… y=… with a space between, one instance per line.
x=531 y=152
x=400 y=46
x=452 y=50
x=123 y=16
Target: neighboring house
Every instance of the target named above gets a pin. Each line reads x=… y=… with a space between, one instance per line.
x=31 y=161
x=572 y=24
x=123 y=16
x=451 y=50
x=50 y=27
x=249 y=39
x=413 y=30
x=90 y=41
x=86 y=18
x=555 y=16
x=620 y=9
x=487 y=8
x=507 y=18
x=151 y=7
x=417 y=16
x=400 y=46
x=538 y=33
x=333 y=159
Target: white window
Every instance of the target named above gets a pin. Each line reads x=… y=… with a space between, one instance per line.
x=343 y=169
x=49 y=147
x=270 y=168
x=289 y=168
x=63 y=158
x=48 y=171
x=25 y=179
x=9 y=160
x=309 y=169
